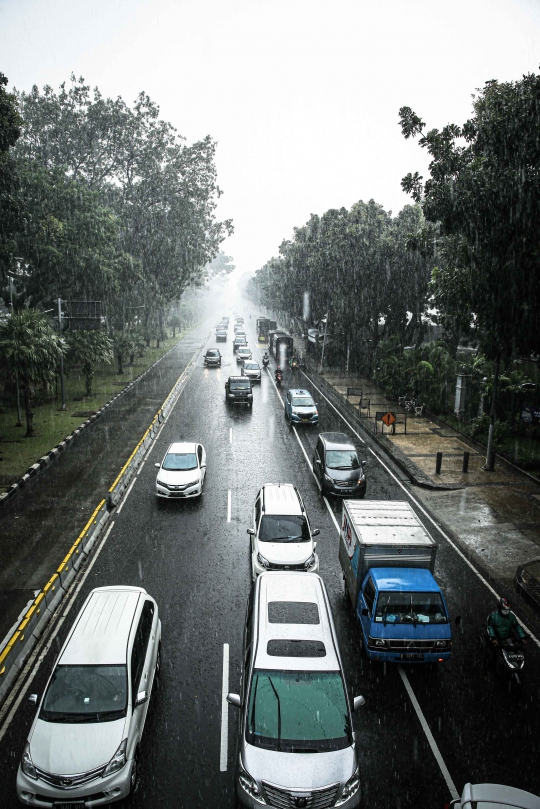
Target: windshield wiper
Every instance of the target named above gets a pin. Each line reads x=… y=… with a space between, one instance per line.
x=278 y=713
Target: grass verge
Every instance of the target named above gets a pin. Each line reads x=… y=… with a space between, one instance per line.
x=52 y=424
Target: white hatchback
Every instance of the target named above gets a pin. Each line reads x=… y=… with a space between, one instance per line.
x=84 y=742
x=281 y=536
x=495 y=796
x=182 y=471
x=243 y=354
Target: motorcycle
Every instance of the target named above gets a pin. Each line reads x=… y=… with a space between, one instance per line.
x=507 y=655
x=265 y=362
x=279 y=378
x=294 y=365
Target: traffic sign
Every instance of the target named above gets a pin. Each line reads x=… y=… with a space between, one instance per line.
x=388 y=419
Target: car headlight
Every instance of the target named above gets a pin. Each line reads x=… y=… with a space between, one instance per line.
x=351 y=787
x=249 y=784
x=27 y=765
x=161 y=483
x=193 y=483
x=376 y=643
x=441 y=644
x=262 y=561
x=310 y=562
x=328 y=478
x=117 y=761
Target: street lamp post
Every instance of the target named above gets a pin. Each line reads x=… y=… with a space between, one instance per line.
x=325 y=321
x=63 y=393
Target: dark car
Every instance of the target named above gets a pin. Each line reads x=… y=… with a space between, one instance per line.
x=238 y=390
x=221 y=335
x=237 y=342
x=212 y=358
x=337 y=467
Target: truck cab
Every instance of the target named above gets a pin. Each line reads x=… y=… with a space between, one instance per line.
x=403 y=616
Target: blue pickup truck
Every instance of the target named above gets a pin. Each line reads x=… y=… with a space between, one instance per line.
x=387 y=558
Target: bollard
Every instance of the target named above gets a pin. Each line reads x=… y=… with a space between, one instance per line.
x=438 y=463
x=465 y=461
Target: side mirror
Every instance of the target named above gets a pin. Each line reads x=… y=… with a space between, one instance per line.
x=33 y=698
x=364 y=463
x=317 y=460
x=203 y=466
x=142 y=696
x=157 y=465
x=234 y=699
x=365 y=611
x=251 y=532
x=315 y=532
x=358 y=702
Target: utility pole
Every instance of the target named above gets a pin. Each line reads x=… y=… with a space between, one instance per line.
x=489 y=465
x=61 y=357
x=325 y=321
x=19 y=420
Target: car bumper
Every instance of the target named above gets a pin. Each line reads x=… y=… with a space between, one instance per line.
x=298 y=420
x=213 y=364
x=195 y=491
x=355 y=490
x=99 y=792
x=257 y=568
x=395 y=657
x=247 y=800
x=255 y=378
x=234 y=400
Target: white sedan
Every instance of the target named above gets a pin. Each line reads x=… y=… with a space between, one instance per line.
x=182 y=471
x=243 y=354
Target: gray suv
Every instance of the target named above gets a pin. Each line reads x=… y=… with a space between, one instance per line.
x=337 y=467
x=294 y=700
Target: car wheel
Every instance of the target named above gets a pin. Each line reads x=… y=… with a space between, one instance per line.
x=134 y=777
x=157 y=671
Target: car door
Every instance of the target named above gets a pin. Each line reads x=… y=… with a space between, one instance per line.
x=288 y=404
x=318 y=455
x=366 y=601
x=255 y=519
x=201 y=455
x=142 y=666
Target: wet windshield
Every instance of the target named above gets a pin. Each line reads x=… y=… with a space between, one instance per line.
x=342 y=459
x=251 y=366
x=180 y=461
x=303 y=401
x=240 y=385
x=276 y=528
x=401 y=607
x=298 y=711
x=86 y=694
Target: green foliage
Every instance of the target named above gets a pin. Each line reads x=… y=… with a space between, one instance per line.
x=88 y=348
x=10 y=130
x=29 y=351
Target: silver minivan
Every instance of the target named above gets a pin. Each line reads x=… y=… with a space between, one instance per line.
x=296 y=745
x=83 y=745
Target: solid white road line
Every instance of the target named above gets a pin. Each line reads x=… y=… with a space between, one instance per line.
x=316 y=481
x=432 y=743
x=229 y=505
x=223 y=750
x=44 y=645
x=125 y=497
x=425 y=513
x=230 y=435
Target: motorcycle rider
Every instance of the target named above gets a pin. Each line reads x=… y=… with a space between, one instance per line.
x=503 y=624
x=278 y=373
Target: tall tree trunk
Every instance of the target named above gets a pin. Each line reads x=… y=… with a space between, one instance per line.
x=88 y=377
x=29 y=413
x=489 y=465
x=120 y=361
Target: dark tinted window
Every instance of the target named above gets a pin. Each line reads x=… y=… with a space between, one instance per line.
x=283 y=528
x=369 y=594
x=293 y=612
x=296 y=648
x=86 y=694
x=140 y=644
x=239 y=384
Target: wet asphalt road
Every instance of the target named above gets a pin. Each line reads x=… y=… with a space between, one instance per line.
x=196 y=564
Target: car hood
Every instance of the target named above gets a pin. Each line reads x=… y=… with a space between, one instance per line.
x=299 y=770
x=172 y=478
x=68 y=749
x=304 y=411
x=354 y=475
x=286 y=553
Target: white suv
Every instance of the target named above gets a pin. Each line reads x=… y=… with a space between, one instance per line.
x=281 y=537
x=84 y=742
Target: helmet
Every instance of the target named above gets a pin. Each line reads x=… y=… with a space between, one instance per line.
x=504 y=606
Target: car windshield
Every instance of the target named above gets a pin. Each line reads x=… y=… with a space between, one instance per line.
x=342 y=459
x=298 y=711
x=416 y=608
x=179 y=461
x=303 y=401
x=86 y=694
x=251 y=366
x=240 y=385
x=277 y=528
x=212 y=353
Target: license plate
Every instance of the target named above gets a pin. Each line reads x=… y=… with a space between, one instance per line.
x=69 y=805
x=411 y=656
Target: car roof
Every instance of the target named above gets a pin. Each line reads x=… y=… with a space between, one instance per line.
x=185 y=446
x=281 y=498
x=236 y=378
x=101 y=634
x=336 y=440
x=294 y=587
x=300 y=392
x=396 y=578
x=497 y=796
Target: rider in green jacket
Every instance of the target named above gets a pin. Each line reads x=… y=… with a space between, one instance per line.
x=503 y=624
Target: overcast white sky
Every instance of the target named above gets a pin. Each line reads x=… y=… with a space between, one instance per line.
x=301 y=95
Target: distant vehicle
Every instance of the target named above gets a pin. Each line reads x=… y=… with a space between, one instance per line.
x=300 y=407
x=84 y=742
x=239 y=328
x=225 y=320
x=253 y=371
x=238 y=390
x=239 y=341
x=282 y=347
x=294 y=700
x=212 y=358
x=239 y=319
x=243 y=353
x=494 y=796
x=281 y=536
x=337 y=467
x=182 y=471
x=263 y=326
x=221 y=336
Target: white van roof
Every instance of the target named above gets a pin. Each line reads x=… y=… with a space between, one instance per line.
x=281 y=591
x=281 y=498
x=101 y=634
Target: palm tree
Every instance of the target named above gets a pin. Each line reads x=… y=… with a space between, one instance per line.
x=88 y=347
x=31 y=350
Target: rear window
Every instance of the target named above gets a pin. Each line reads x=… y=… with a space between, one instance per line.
x=295 y=648
x=293 y=612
